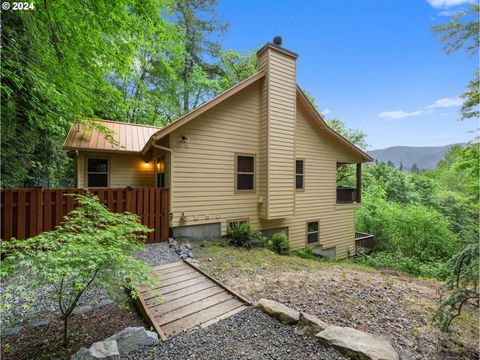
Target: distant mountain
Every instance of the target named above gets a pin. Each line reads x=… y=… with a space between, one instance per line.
x=426 y=158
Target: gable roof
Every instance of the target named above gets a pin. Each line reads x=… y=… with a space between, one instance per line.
x=202 y=108
x=321 y=123
x=136 y=138
x=131 y=138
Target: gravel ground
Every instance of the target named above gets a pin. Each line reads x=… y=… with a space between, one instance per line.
x=156 y=254
x=25 y=312
x=248 y=335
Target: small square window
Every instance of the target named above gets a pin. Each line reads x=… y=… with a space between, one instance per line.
x=245 y=173
x=299 y=175
x=312 y=232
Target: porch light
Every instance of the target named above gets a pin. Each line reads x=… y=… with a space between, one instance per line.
x=147 y=163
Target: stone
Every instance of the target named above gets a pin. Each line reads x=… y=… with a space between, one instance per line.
x=12 y=331
x=104 y=350
x=80 y=310
x=188 y=246
x=39 y=323
x=279 y=311
x=103 y=303
x=132 y=338
x=357 y=344
x=309 y=325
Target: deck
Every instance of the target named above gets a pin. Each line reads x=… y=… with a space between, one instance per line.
x=189 y=298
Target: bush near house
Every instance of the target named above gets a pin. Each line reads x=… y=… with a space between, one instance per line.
x=243 y=234
x=279 y=243
x=93 y=247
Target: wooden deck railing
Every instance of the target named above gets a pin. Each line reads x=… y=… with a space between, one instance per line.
x=364 y=241
x=28 y=212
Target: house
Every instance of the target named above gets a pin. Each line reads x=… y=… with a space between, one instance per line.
x=258 y=152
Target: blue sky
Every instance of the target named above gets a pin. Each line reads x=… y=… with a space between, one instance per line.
x=373 y=64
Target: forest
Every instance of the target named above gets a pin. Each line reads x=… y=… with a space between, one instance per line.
x=149 y=62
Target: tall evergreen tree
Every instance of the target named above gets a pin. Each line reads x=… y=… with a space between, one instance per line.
x=199 y=25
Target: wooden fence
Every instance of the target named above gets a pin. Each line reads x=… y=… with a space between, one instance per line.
x=28 y=212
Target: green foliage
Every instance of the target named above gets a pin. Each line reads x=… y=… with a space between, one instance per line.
x=461 y=287
x=471 y=104
x=56 y=61
x=279 y=243
x=235 y=68
x=242 y=234
x=415 y=231
x=462 y=31
x=384 y=259
x=93 y=247
x=305 y=253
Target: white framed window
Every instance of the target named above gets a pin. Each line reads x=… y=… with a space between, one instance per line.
x=313 y=231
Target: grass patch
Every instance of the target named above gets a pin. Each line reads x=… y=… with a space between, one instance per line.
x=240 y=261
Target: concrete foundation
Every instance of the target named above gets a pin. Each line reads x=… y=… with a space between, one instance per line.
x=197 y=232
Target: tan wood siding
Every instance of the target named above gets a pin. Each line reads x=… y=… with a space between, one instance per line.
x=203 y=174
x=124 y=170
x=279 y=102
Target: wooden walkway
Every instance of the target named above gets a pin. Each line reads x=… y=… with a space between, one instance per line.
x=189 y=298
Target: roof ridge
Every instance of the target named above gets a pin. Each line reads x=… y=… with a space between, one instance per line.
x=129 y=123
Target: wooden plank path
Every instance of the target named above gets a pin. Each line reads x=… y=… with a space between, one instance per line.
x=189 y=298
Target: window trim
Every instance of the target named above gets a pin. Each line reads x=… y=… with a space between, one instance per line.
x=302 y=189
x=313 y=232
x=235 y=174
x=108 y=171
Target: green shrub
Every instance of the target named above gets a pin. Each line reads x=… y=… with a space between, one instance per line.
x=279 y=243
x=93 y=247
x=397 y=261
x=243 y=234
x=415 y=231
x=305 y=253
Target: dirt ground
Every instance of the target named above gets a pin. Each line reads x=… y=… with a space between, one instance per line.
x=383 y=302
x=46 y=342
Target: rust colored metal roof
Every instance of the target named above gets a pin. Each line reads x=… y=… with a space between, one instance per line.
x=130 y=137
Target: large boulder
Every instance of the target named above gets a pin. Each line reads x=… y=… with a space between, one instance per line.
x=104 y=350
x=309 y=325
x=279 y=311
x=357 y=344
x=132 y=338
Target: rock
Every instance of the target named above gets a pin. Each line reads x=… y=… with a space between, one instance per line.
x=188 y=246
x=13 y=331
x=103 y=303
x=309 y=325
x=357 y=344
x=105 y=350
x=132 y=338
x=210 y=259
x=80 y=310
x=279 y=311
x=39 y=323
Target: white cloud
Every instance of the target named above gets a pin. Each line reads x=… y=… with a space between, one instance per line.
x=442 y=4
x=445 y=103
x=449 y=12
x=399 y=114
x=326 y=111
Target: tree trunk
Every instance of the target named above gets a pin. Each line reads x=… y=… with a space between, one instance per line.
x=65 y=330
